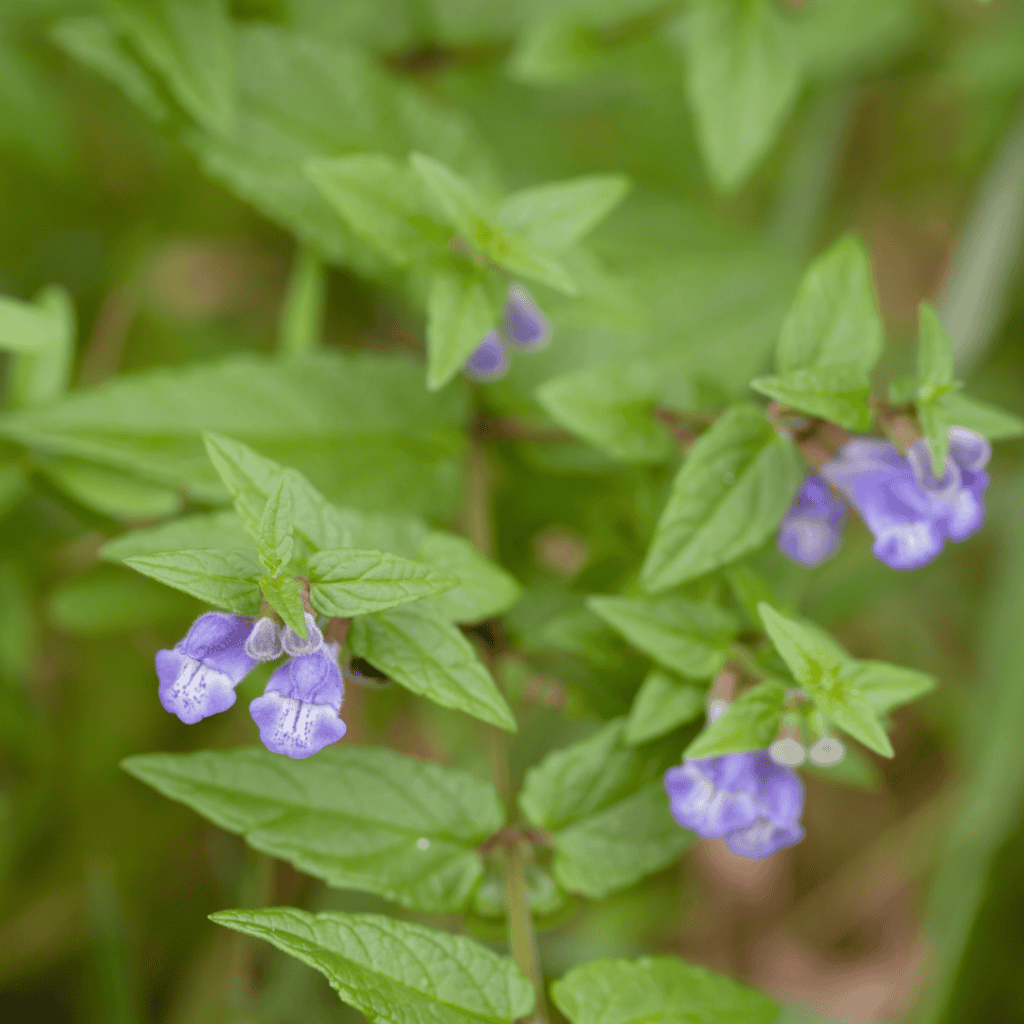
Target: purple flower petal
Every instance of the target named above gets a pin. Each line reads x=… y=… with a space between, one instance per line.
x=489 y=361
x=293 y=727
x=812 y=529
x=218 y=641
x=763 y=838
x=525 y=325
x=713 y=796
x=971 y=451
x=190 y=689
x=313 y=678
x=780 y=793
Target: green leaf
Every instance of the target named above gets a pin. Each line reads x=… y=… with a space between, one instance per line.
x=95 y=43
x=619 y=845
x=982 y=418
x=395 y=972
x=301 y=325
x=743 y=74
x=334 y=417
x=612 y=407
x=429 y=656
x=382 y=201
x=663 y=703
x=462 y=206
x=751 y=722
x=830 y=680
x=658 y=989
x=836 y=392
x=833 y=319
x=191 y=43
x=225 y=579
x=274 y=534
x=935 y=372
x=349 y=582
x=727 y=499
x=114 y=494
x=459 y=315
x=935 y=375
x=689 y=637
x=356 y=817
x=484 y=589
x=283 y=594
x=40 y=374
x=27 y=326
x=605 y=805
x=557 y=215
x=304 y=95
x=886 y=686
x=555 y=50
x=199 y=532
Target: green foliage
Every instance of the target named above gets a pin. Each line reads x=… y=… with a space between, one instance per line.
x=426 y=654
x=657 y=988
x=689 y=637
x=662 y=703
x=227 y=579
x=750 y=722
x=274 y=540
x=727 y=499
x=742 y=76
x=604 y=803
x=282 y=592
x=459 y=314
x=356 y=817
x=395 y=972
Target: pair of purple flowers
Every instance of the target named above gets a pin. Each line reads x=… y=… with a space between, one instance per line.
x=526 y=327
x=298 y=712
x=910 y=512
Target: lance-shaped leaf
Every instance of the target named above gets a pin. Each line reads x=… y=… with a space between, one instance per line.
x=663 y=703
x=935 y=377
x=690 y=637
x=829 y=679
x=751 y=722
x=39 y=374
x=274 y=540
x=833 y=319
x=743 y=72
x=223 y=578
x=484 y=589
x=382 y=200
x=659 y=989
x=300 y=325
x=428 y=655
x=348 y=582
x=191 y=43
x=838 y=392
x=27 y=326
x=988 y=420
x=283 y=594
x=358 y=817
x=886 y=686
x=605 y=806
x=395 y=972
x=459 y=314
x=557 y=215
x=727 y=499
x=461 y=205
x=196 y=533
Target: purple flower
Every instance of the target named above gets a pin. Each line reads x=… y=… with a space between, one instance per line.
x=525 y=325
x=813 y=527
x=198 y=678
x=912 y=514
x=298 y=713
x=747 y=799
x=294 y=645
x=264 y=642
x=489 y=361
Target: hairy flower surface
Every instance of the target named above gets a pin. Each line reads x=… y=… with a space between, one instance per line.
x=909 y=511
x=264 y=642
x=298 y=713
x=198 y=677
x=294 y=645
x=746 y=799
x=525 y=325
x=489 y=361
x=812 y=528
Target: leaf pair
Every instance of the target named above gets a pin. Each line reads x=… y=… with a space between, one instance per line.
x=850 y=694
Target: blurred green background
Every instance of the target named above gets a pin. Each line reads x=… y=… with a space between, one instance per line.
x=906 y=901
